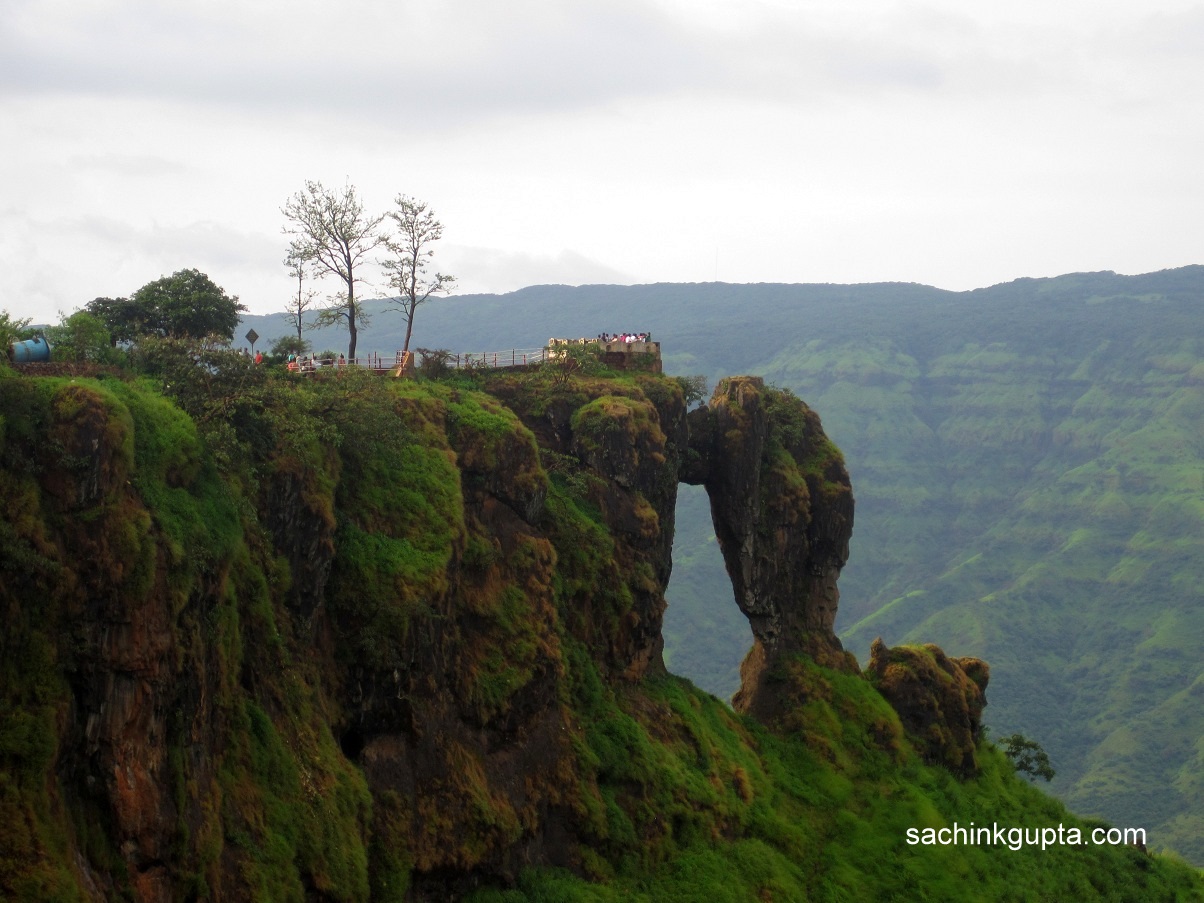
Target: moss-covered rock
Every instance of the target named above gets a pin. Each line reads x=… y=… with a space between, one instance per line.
x=939 y=700
x=783 y=513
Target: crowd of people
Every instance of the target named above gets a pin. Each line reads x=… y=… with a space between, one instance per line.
x=628 y=337
x=313 y=362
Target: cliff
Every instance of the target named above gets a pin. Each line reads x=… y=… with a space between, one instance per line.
x=359 y=638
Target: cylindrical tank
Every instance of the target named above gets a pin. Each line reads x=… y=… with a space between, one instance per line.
x=29 y=351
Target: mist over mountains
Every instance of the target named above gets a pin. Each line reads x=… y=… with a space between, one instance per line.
x=1028 y=465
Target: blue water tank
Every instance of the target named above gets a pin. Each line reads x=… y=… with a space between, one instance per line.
x=29 y=351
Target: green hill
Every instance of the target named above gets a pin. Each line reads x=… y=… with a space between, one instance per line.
x=351 y=638
x=1027 y=462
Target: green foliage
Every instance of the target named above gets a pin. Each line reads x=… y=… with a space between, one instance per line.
x=1027 y=756
x=567 y=471
x=124 y=318
x=1026 y=477
x=215 y=385
x=612 y=422
x=294 y=814
x=434 y=363
x=402 y=516
x=282 y=347
x=568 y=360
x=12 y=329
x=671 y=795
x=694 y=388
x=694 y=802
x=185 y=305
x=82 y=337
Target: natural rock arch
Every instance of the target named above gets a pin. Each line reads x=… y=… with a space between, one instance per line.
x=782 y=507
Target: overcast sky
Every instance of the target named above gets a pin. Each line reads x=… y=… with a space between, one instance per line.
x=957 y=143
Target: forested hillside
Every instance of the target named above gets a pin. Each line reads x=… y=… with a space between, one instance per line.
x=1028 y=463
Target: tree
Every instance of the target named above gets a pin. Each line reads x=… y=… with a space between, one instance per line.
x=123 y=318
x=567 y=359
x=417 y=230
x=1028 y=756
x=286 y=345
x=304 y=298
x=694 y=388
x=332 y=234
x=186 y=304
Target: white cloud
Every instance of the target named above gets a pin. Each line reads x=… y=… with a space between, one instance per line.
x=495 y=270
x=948 y=141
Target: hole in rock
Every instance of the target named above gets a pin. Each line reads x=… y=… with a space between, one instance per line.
x=352 y=743
x=706 y=634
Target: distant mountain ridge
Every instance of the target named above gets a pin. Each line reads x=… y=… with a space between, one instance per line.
x=1027 y=460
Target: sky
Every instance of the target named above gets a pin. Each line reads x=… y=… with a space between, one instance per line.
x=957 y=143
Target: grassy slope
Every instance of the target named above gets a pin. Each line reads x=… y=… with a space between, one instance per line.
x=704 y=804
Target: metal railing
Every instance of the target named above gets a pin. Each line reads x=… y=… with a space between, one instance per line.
x=511 y=357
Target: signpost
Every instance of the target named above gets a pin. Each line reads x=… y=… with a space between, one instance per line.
x=252 y=337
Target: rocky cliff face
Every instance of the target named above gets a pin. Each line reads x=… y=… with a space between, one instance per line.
x=377 y=663
x=783 y=514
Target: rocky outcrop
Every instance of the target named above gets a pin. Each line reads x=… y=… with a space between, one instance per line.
x=783 y=513
x=553 y=524
x=384 y=668
x=939 y=700
x=620 y=448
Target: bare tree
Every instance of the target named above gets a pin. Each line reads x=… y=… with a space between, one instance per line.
x=417 y=230
x=304 y=298
x=332 y=234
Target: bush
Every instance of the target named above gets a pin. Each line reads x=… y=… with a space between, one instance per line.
x=434 y=363
x=82 y=337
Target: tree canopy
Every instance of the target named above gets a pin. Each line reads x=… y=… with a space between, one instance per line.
x=186 y=304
